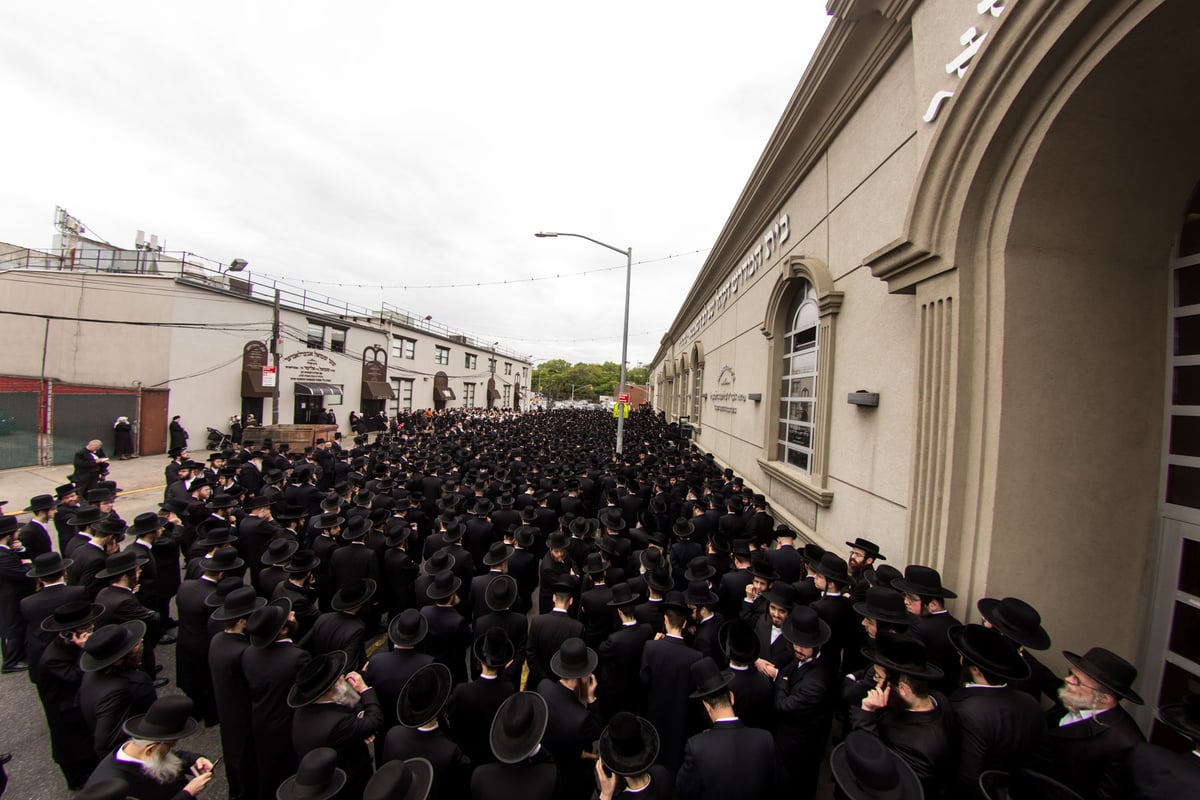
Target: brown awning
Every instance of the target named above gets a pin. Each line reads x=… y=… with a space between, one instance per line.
x=493 y=394
x=252 y=384
x=377 y=390
x=447 y=393
x=317 y=389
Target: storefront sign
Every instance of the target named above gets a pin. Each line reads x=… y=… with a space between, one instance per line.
x=268 y=376
x=309 y=365
x=971 y=41
x=772 y=239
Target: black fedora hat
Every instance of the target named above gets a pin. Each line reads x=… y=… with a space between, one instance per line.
x=518 y=727
x=86 y=516
x=424 y=696
x=112 y=789
x=327 y=521
x=1183 y=716
x=629 y=745
x=498 y=553
x=214 y=533
x=408 y=779
x=682 y=528
x=440 y=561
x=110 y=644
x=354 y=594
x=833 y=567
x=216 y=598
x=356 y=528
x=493 y=648
x=762 y=568
x=444 y=584
x=886 y=605
x=1023 y=784
x=623 y=596
x=453 y=531
x=987 y=649
x=904 y=653
x=264 y=625
x=781 y=594
x=408 y=628
x=922 y=581
x=316 y=678
x=332 y=501
x=110 y=526
x=302 y=561
x=525 y=536
x=612 y=518
x=883 y=575
x=868 y=547
x=239 y=603
x=256 y=502
x=1017 y=620
x=812 y=553
x=1109 y=670
x=279 y=550
x=698 y=594
x=220 y=501
x=147 y=523
x=738 y=641
x=675 y=601
x=288 y=513
x=123 y=561
x=699 y=569
x=659 y=580
x=41 y=502
x=501 y=593
x=224 y=560
x=318 y=777
x=72 y=616
x=63 y=490
x=804 y=628
x=168 y=719
x=708 y=678
x=594 y=563
x=865 y=769
x=51 y=563
x=574 y=659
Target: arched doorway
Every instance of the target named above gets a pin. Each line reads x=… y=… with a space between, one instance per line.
x=442 y=393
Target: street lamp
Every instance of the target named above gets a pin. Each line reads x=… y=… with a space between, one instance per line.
x=628 y=253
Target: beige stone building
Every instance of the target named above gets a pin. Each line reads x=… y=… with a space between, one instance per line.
x=956 y=311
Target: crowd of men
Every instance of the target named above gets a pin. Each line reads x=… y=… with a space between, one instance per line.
x=491 y=606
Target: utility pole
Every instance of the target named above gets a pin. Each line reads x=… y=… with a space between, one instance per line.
x=275 y=361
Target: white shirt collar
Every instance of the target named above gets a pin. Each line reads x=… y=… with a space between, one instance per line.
x=1079 y=716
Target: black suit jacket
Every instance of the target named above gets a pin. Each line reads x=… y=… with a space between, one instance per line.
x=109 y=698
x=352 y=562
x=547 y=632
x=1089 y=756
x=805 y=695
x=270 y=672
x=666 y=678
x=388 y=672
x=570 y=732
x=470 y=712
x=931 y=631
x=925 y=740
x=232 y=692
x=753 y=697
x=778 y=653
x=35 y=608
x=337 y=630
x=1158 y=774
x=122 y=605
x=35 y=539
x=531 y=779
x=344 y=729
x=620 y=663
x=597 y=616
x=89 y=560
x=730 y=760
x=141 y=785
x=450 y=773
x=448 y=639
x=732 y=591
x=998 y=729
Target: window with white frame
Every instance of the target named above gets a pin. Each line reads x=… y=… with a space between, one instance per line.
x=403 y=388
x=471 y=361
x=508 y=368
x=468 y=395
x=403 y=347
x=506 y=396
x=697 y=388
x=337 y=340
x=316 y=336
x=492 y=365
x=441 y=355
x=798 y=385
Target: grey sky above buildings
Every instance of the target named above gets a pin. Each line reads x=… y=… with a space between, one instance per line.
x=406 y=144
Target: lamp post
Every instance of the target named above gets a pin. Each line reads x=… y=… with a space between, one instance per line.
x=628 y=253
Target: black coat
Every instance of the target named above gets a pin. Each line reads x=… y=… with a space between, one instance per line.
x=232 y=692
x=523 y=567
x=337 y=630
x=1089 y=756
x=387 y=673
x=779 y=652
x=1158 y=774
x=352 y=562
x=470 y=712
x=59 y=679
x=547 y=632
x=666 y=678
x=730 y=760
x=141 y=785
x=570 y=732
x=805 y=695
x=448 y=639
x=926 y=740
x=931 y=631
x=998 y=729
x=450 y=773
x=620 y=663
x=191 y=649
x=305 y=604
x=531 y=779
x=35 y=608
x=478 y=591
x=110 y=697
x=122 y=605
x=64 y=531
x=89 y=559
x=397 y=580
x=343 y=728
x=732 y=591
x=598 y=618
x=753 y=697
x=270 y=672
x=35 y=538
x=517 y=627
x=838 y=612
x=705 y=641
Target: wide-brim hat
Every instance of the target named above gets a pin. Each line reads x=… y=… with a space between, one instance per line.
x=444 y=584
x=220 y=501
x=1017 y=620
x=239 y=603
x=357 y=528
x=498 y=553
x=525 y=535
x=922 y=581
x=424 y=696
x=318 y=777
x=708 y=678
x=409 y=779
x=781 y=594
x=574 y=659
x=594 y=563
x=353 y=594
x=316 y=678
x=225 y=587
x=110 y=644
x=147 y=523
x=762 y=568
x=279 y=550
x=612 y=518
x=1183 y=716
x=629 y=745
x=699 y=569
x=698 y=594
x=64 y=489
x=440 y=561
x=288 y=513
x=903 y=653
x=1109 y=670
x=124 y=561
x=50 y=563
x=518 y=727
x=168 y=719
x=408 y=628
x=886 y=605
x=659 y=580
x=327 y=521
x=868 y=547
x=264 y=625
x=833 y=567
x=87 y=516
x=865 y=769
x=804 y=628
x=302 y=561
x=72 y=616
x=225 y=559
x=41 y=502
x=738 y=641
x=501 y=593
x=493 y=648
x=1023 y=784
x=987 y=649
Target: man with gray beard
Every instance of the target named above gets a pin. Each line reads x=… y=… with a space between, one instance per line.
x=148 y=762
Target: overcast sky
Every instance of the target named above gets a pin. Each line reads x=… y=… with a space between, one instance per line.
x=408 y=144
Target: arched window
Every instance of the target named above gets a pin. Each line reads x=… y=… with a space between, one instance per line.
x=697 y=383
x=798 y=386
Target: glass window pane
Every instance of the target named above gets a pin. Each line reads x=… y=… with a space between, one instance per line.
x=316 y=336
x=1187 y=285
x=1187 y=335
x=1185 y=631
x=1186 y=386
x=1185 y=436
x=1189 y=568
x=1183 y=485
x=337 y=341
